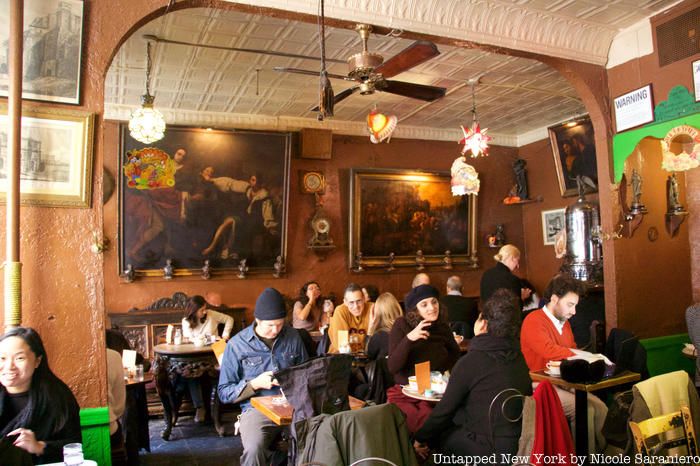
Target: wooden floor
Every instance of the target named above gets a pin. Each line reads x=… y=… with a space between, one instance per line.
x=192 y=444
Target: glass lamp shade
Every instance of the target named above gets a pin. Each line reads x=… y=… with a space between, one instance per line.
x=465 y=179
x=147 y=125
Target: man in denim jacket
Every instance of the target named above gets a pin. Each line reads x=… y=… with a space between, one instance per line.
x=250 y=359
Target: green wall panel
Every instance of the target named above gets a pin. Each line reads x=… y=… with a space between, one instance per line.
x=95 y=428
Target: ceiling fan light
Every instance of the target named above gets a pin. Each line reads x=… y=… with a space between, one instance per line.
x=147 y=124
x=380 y=126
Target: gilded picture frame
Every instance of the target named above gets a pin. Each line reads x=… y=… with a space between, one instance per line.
x=56 y=156
x=395 y=214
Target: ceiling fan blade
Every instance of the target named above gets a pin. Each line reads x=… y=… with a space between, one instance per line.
x=413 y=55
x=417 y=91
x=283 y=69
x=341 y=96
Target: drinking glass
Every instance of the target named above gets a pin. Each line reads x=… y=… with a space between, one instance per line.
x=138 y=373
x=73 y=454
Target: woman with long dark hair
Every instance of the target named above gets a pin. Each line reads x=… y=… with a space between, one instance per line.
x=201 y=321
x=38 y=412
x=419 y=336
x=311 y=310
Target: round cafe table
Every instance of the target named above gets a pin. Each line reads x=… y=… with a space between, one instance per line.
x=414 y=394
x=185 y=360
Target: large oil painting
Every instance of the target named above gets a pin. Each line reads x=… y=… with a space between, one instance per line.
x=409 y=218
x=203 y=195
x=573 y=145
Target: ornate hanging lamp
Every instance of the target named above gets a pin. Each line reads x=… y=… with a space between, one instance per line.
x=475 y=139
x=146 y=124
x=380 y=126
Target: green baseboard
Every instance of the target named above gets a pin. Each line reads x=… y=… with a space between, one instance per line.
x=94 y=423
x=664 y=354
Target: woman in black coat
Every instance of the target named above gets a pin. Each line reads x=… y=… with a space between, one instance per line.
x=460 y=423
x=38 y=412
x=502 y=276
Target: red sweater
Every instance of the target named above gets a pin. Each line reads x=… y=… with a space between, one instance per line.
x=540 y=341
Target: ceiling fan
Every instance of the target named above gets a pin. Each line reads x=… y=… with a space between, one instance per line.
x=370 y=71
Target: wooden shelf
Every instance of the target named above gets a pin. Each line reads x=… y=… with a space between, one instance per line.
x=526 y=201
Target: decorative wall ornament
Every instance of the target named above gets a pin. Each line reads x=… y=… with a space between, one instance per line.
x=279 y=267
x=681 y=149
x=675 y=213
x=465 y=179
x=168 y=269
x=206 y=270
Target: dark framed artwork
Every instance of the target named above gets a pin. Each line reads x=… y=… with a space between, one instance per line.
x=409 y=218
x=573 y=146
x=53 y=37
x=198 y=194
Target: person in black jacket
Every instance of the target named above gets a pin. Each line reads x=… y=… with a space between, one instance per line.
x=462 y=312
x=502 y=276
x=37 y=409
x=459 y=423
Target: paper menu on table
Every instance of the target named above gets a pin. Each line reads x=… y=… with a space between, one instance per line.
x=169 y=334
x=423 y=376
x=129 y=358
x=342 y=338
x=218 y=347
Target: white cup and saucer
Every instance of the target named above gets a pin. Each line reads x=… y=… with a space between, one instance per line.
x=553 y=368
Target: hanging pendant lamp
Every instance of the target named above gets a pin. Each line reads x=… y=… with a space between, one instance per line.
x=146 y=124
x=475 y=139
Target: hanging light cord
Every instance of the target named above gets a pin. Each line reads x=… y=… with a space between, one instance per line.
x=322 y=26
x=473 y=103
x=148 y=68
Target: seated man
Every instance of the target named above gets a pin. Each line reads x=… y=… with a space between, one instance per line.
x=250 y=359
x=352 y=315
x=462 y=312
x=546 y=336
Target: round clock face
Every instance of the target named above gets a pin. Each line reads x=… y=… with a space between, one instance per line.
x=313 y=182
x=322 y=225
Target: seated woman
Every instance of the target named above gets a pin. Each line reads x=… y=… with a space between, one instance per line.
x=460 y=422
x=36 y=407
x=421 y=335
x=382 y=317
x=202 y=322
x=311 y=311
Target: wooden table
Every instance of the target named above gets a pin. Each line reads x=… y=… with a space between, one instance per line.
x=581 y=393
x=281 y=414
x=188 y=361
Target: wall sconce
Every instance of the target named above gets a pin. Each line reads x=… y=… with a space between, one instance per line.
x=99 y=243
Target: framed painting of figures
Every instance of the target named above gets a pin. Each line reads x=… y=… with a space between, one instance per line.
x=203 y=195
x=53 y=37
x=409 y=218
x=573 y=146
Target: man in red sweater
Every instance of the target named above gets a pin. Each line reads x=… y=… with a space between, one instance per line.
x=546 y=336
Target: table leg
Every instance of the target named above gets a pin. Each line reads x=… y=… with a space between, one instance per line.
x=582 y=424
x=165 y=393
x=215 y=412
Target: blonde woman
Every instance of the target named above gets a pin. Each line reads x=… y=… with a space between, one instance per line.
x=385 y=312
x=502 y=276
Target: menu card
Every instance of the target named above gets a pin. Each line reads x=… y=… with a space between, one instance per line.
x=218 y=347
x=129 y=358
x=342 y=338
x=169 y=334
x=423 y=376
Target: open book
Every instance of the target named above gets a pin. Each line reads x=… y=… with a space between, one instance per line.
x=589 y=357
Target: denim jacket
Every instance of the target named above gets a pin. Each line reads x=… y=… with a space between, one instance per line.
x=246 y=357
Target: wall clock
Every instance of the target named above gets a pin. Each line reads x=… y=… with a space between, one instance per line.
x=313 y=182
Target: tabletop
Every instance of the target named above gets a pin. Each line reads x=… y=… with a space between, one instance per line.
x=281 y=414
x=619 y=379
x=183 y=348
x=146 y=379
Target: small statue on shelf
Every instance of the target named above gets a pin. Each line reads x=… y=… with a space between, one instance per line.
x=672 y=195
x=637 y=207
x=279 y=267
x=129 y=273
x=420 y=260
x=242 y=268
x=447 y=260
x=520 y=179
x=168 y=269
x=206 y=270
x=358 y=263
x=392 y=257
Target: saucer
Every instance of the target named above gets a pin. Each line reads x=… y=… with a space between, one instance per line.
x=552 y=374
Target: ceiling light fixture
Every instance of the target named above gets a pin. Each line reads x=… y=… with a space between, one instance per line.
x=146 y=124
x=380 y=126
x=475 y=139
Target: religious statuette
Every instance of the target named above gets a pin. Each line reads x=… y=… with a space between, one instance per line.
x=168 y=269
x=206 y=270
x=242 y=268
x=129 y=273
x=420 y=260
x=447 y=260
x=391 y=259
x=279 y=267
x=637 y=207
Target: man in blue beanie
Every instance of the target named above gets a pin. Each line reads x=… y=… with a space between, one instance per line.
x=251 y=358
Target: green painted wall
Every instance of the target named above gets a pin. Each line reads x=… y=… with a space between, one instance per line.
x=95 y=428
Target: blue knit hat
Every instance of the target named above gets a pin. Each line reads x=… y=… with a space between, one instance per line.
x=270 y=305
x=418 y=294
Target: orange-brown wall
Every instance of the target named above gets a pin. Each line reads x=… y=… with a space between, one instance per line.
x=333 y=273
x=654 y=279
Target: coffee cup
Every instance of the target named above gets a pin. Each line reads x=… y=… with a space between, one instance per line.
x=199 y=341
x=413 y=383
x=554 y=367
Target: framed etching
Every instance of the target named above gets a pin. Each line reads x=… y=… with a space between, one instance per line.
x=573 y=146
x=197 y=195
x=409 y=218
x=55 y=158
x=53 y=37
x=553 y=221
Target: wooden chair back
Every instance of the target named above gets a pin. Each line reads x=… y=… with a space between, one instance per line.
x=656 y=435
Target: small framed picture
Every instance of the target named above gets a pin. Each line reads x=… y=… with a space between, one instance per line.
x=696 y=79
x=553 y=221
